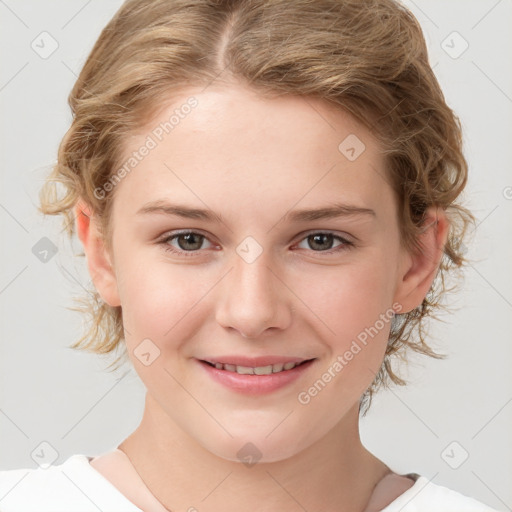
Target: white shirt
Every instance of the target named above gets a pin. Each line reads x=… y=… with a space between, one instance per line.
x=75 y=486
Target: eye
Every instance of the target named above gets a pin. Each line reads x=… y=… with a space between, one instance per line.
x=323 y=242
x=188 y=243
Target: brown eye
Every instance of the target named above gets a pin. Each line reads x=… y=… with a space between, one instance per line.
x=190 y=241
x=323 y=242
x=184 y=244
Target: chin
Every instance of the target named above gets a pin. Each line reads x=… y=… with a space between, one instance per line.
x=253 y=448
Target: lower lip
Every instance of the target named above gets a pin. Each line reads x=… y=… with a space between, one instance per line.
x=256 y=384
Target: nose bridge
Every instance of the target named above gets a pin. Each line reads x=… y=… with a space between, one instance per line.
x=254 y=280
x=253 y=298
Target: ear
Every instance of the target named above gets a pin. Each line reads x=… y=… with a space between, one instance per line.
x=99 y=260
x=418 y=269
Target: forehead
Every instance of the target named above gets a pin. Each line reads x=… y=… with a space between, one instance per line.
x=228 y=146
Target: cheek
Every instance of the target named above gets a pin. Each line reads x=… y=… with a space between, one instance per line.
x=353 y=296
x=160 y=299
x=355 y=304
x=356 y=307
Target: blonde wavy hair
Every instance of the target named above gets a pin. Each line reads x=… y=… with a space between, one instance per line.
x=368 y=58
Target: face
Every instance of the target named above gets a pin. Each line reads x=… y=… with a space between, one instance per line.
x=254 y=275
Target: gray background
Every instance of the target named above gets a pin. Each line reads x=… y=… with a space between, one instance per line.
x=457 y=408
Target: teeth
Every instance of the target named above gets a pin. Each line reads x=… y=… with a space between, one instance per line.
x=259 y=370
x=264 y=370
x=245 y=370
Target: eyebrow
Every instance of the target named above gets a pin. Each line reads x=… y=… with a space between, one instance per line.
x=331 y=212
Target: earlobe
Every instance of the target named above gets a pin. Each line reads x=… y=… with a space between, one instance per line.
x=418 y=269
x=98 y=258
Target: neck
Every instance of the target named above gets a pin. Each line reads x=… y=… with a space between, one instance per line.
x=334 y=474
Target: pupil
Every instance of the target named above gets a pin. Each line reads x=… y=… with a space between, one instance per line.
x=320 y=236
x=188 y=238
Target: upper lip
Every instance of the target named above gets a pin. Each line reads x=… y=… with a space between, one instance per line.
x=254 y=361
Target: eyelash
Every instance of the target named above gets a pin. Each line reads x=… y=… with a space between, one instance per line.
x=346 y=244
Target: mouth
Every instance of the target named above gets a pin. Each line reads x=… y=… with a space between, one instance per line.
x=255 y=376
x=268 y=369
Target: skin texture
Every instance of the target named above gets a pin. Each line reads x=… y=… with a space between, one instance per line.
x=253 y=160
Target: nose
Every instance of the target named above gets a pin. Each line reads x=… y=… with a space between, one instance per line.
x=254 y=299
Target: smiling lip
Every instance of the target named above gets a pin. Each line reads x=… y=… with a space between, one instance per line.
x=254 y=362
x=252 y=384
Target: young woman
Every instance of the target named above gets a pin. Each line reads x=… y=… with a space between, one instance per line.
x=266 y=192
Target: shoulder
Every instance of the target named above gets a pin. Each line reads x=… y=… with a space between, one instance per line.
x=424 y=495
x=73 y=486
